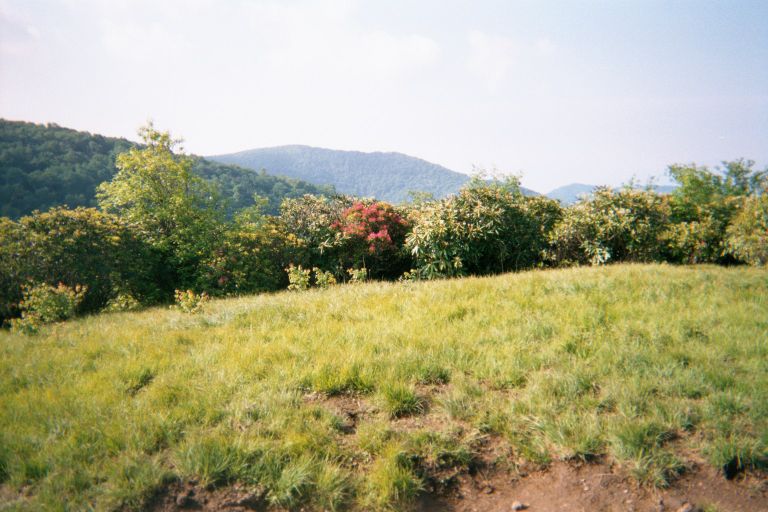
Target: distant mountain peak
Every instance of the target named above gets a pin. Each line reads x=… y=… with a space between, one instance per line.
x=388 y=176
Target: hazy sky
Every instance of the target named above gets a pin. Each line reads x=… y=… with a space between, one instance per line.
x=587 y=91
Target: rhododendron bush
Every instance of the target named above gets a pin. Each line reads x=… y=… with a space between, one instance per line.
x=371 y=236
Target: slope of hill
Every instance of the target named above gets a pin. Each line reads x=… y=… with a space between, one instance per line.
x=385 y=176
x=569 y=194
x=46 y=165
x=373 y=396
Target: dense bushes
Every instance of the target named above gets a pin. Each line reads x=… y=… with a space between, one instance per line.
x=42 y=304
x=486 y=228
x=627 y=225
x=78 y=247
x=162 y=229
x=747 y=235
x=371 y=235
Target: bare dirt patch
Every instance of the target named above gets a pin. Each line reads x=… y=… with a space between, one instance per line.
x=350 y=408
x=190 y=496
x=597 y=487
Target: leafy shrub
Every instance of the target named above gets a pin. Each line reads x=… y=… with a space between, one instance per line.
x=627 y=225
x=81 y=246
x=693 y=242
x=122 y=302
x=357 y=275
x=747 y=236
x=371 y=235
x=43 y=304
x=298 y=278
x=486 y=228
x=249 y=259
x=190 y=302
x=703 y=206
x=307 y=223
x=323 y=279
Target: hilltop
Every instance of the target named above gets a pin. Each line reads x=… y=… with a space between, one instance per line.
x=608 y=386
x=385 y=176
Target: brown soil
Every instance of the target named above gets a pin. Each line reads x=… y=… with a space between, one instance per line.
x=560 y=487
x=598 y=487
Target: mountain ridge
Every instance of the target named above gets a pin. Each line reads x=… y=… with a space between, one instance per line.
x=388 y=176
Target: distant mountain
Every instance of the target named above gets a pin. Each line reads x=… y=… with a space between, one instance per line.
x=569 y=194
x=385 y=176
x=42 y=166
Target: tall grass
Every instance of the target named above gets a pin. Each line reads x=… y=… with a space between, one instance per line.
x=643 y=364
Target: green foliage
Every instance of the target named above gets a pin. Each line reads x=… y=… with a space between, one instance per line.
x=250 y=258
x=44 y=166
x=190 y=302
x=747 y=235
x=627 y=225
x=298 y=278
x=703 y=205
x=323 y=279
x=44 y=304
x=371 y=235
x=174 y=210
x=486 y=228
x=81 y=246
x=308 y=221
x=122 y=302
x=357 y=275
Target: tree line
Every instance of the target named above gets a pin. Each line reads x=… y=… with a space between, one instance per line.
x=43 y=166
x=160 y=227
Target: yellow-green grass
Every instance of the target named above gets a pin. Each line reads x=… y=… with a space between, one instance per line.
x=647 y=365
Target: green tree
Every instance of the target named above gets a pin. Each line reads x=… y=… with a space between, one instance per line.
x=704 y=204
x=176 y=211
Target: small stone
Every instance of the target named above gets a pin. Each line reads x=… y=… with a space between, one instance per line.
x=185 y=500
x=686 y=507
x=586 y=488
x=488 y=489
x=516 y=505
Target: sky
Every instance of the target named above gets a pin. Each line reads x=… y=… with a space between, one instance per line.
x=582 y=91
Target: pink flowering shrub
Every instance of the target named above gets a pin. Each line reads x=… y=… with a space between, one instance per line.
x=373 y=235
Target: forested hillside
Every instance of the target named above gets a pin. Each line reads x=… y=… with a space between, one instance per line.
x=42 y=166
x=385 y=176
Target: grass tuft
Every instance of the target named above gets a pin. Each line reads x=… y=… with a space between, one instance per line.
x=399 y=400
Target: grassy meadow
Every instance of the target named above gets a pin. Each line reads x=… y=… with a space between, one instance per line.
x=648 y=365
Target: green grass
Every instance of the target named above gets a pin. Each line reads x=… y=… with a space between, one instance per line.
x=643 y=364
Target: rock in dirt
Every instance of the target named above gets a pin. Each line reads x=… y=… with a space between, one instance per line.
x=686 y=507
x=185 y=499
x=516 y=505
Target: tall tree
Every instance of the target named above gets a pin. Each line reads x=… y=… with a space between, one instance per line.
x=175 y=210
